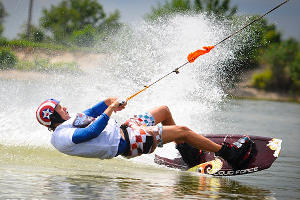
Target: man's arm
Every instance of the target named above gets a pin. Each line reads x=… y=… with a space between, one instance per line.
x=100 y=107
x=85 y=134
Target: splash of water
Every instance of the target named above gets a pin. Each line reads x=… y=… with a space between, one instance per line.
x=136 y=56
x=149 y=50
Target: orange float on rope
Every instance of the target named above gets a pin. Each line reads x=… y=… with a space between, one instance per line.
x=194 y=55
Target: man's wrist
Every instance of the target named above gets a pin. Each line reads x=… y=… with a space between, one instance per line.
x=112 y=107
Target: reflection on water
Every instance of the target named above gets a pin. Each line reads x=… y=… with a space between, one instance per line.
x=43 y=173
x=216 y=188
x=34 y=184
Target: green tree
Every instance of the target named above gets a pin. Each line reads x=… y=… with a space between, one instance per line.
x=270 y=34
x=263 y=35
x=84 y=37
x=2 y=15
x=37 y=34
x=219 y=8
x=281 y=59
x=7 y=58
x=175 y=6
x=73 y=15
x=110 y=24
x=295 y=73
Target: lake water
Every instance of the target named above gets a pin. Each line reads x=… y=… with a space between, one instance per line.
x=31 y=169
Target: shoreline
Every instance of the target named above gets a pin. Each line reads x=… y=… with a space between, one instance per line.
x=244 y=90
x=237 y=93
x=88 y=62
x=260 y=95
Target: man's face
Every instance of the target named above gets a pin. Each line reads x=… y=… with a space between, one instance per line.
x=62 y=111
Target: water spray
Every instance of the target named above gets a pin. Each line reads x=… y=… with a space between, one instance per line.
x=206 y=49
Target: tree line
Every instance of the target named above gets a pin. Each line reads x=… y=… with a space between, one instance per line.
x=83 y=22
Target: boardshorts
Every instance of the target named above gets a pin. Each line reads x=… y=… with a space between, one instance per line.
x=141 y=134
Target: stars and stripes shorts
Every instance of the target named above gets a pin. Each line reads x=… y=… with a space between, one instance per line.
x=141 y=134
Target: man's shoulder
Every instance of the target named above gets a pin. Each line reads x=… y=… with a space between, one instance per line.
x=64 y=130
x=62 y=136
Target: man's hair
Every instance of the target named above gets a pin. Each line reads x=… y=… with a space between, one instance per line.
x=55 y=119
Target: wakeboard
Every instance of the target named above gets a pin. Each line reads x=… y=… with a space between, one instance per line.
x=267 y=150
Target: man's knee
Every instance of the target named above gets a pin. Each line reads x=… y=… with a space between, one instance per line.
x=165 y=109
x=184 y=131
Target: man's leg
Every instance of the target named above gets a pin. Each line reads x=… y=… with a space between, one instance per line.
x=236 y=156
x=182 y=133
x=162 y=115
